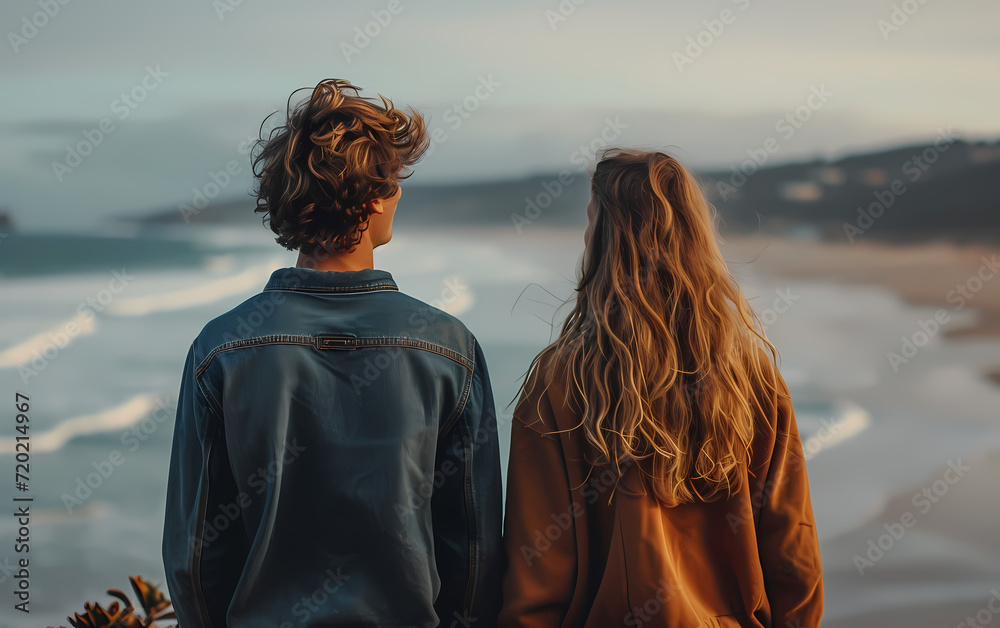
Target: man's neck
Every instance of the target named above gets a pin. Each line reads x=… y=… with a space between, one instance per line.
x=360 y=258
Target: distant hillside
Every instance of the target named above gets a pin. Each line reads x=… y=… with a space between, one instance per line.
x=488 y=203
x=912 y=193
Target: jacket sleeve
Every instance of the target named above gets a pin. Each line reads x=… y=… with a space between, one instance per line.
x=203 y=548
x=467 y=546
x=786 y=533
x=541 y=552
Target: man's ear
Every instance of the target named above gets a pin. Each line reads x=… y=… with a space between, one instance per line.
x=376 y=206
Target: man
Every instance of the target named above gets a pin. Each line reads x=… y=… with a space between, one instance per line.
x=335 y=458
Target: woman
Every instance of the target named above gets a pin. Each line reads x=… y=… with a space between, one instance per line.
x=656 y=476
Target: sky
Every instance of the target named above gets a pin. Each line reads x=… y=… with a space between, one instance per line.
x=512 y=88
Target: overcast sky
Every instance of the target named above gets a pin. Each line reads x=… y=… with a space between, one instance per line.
x=532 y=82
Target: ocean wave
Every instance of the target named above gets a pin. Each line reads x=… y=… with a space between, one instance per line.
x=250 y=279
x=848 y=420
x=57 y=337
x=119 y=417
x=92 y=510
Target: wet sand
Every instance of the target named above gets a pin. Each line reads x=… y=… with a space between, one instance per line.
x=944 y=568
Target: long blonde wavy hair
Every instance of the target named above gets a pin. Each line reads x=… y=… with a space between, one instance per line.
x=662 y=356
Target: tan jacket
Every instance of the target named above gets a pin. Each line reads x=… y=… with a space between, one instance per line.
x=576 y=560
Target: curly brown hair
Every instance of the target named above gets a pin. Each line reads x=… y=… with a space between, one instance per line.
x=317 y=174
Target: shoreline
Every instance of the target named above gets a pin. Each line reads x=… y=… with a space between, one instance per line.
x=931 y=274
x=935 y=274
x=949 y=277
x=955 y=277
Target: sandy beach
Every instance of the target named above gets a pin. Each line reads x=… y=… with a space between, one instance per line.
x=931 y=555
x=953 y=277
x=940 y=569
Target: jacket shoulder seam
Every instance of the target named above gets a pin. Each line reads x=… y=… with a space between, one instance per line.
x=291 y=339
x=356 y=343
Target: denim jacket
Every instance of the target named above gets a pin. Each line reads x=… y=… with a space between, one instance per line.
x=335 y=462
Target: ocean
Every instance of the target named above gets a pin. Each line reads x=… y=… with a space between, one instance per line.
x=95 y=332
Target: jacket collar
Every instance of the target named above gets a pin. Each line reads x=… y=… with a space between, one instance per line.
x=311 y=280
